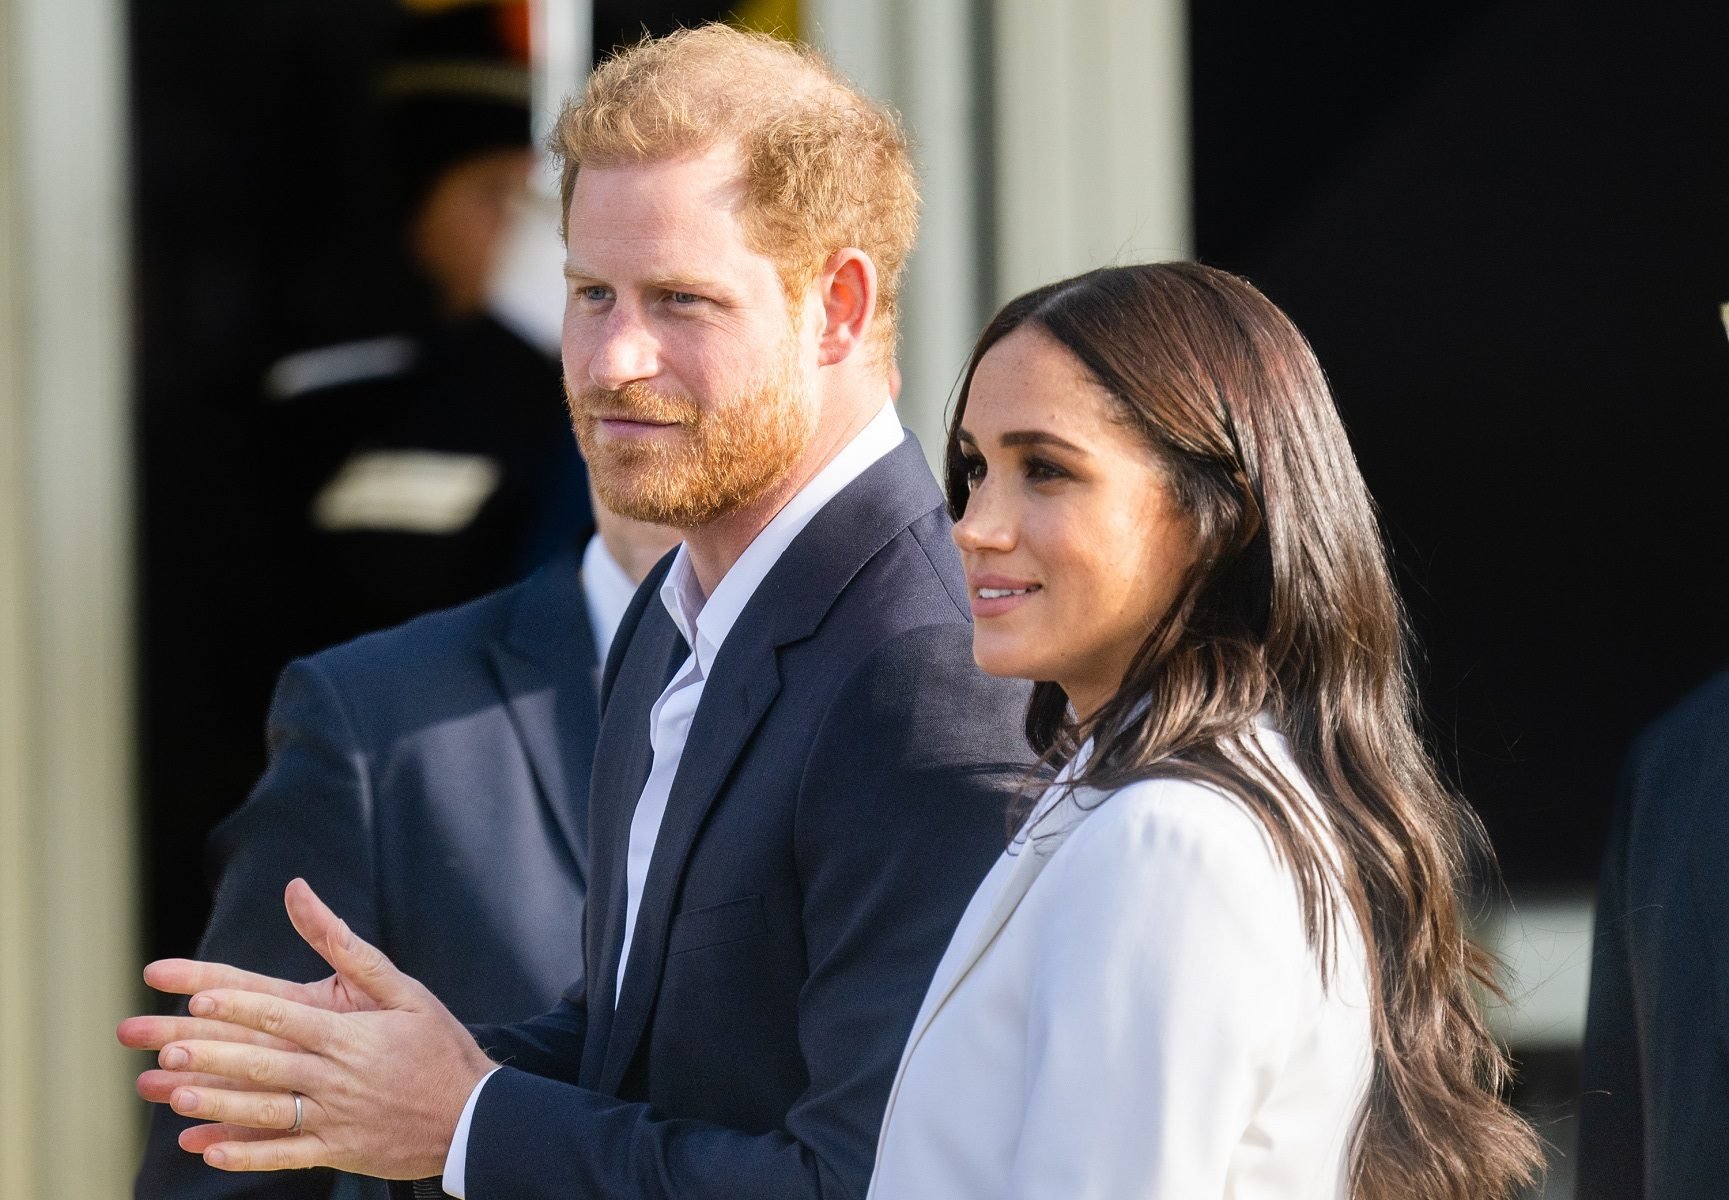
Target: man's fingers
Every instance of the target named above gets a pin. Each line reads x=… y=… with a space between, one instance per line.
x=273 y=1154
x=153 y=1033
x=156 y=1085
x=271 y=1110
x=355 y=960
x=251 y=1067
x=199 y=1138
x=186 y=976
x=301 y=1025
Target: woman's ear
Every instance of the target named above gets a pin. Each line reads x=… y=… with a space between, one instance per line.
x=847 y=288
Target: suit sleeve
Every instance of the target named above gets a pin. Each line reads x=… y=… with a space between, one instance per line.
x=549 y=1045
x=902 y=810
x=1611 y=1101
x=309 y=815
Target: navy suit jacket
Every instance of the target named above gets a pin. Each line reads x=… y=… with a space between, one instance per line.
x=431 y=783
x=1654 y=1114
x=841 y=794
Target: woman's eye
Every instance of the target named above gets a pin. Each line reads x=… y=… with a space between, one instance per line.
x=1041 y=470
x=973 y=470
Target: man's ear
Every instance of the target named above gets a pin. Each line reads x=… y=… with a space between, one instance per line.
x=847 y=287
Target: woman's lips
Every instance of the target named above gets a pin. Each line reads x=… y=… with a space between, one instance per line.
x=994 y=595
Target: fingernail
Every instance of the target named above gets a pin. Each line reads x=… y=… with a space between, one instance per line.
x=174 y=1058
x=184 y=1101
x=215 y=1157
x=201 y=1006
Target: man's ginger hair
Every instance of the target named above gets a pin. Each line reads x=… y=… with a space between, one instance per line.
x=823 y=166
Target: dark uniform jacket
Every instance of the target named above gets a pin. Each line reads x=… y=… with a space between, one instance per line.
x=431 y=783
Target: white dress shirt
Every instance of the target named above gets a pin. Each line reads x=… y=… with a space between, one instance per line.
x=704 y=623
x=608 y=588
x=1129 y=1008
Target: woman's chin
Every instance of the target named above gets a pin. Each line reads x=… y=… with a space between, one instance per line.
x=1003 y=662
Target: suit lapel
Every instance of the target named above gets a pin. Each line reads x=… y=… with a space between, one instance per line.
x=623 y=757
x=786 y=608
x=734 y=701
x=545 y=665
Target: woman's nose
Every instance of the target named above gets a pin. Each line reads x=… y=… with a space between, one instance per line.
x=984 y=525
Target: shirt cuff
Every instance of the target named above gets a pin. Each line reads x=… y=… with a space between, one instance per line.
x=455 y=1182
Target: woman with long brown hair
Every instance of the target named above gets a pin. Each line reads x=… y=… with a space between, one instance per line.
x=1224 y=955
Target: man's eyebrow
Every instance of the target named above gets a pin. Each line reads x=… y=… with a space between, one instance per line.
x=672 y=281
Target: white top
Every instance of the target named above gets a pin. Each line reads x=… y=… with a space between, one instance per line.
x=704 y=623
x=608 y=588
x=1129 y=1010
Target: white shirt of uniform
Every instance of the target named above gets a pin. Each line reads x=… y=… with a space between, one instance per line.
x=704 y=623
x=608 y=589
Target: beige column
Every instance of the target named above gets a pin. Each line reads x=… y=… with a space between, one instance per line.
x=68 y=891
x=1053 y=138
x=1092 y=137
x=921 y=56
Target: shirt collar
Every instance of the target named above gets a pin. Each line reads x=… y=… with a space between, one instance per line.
x=608 y=590
x=706 y=622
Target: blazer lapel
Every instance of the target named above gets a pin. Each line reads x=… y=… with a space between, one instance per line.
x=787 y=607
x=545 y=665
x=1029 y=854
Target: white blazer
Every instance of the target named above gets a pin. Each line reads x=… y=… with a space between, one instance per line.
x=1129 y=1011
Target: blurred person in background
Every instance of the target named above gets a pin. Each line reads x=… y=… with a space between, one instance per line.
x=359 y=192
x=1654 y=1109
x=419 y=469
x=433 y=780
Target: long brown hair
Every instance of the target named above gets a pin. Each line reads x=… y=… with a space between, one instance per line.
x=1290 y=608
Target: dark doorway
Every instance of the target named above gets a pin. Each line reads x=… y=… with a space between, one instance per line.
x=1505 y=226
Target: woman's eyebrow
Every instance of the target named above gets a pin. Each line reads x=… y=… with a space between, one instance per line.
x=1037 y=437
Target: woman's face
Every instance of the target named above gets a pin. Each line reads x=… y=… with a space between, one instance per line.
x=1072 y=543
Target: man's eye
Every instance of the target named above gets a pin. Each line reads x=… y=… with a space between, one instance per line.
x=683 y=297
x=596 y=293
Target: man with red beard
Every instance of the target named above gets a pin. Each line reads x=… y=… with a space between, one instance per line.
x=801 y=776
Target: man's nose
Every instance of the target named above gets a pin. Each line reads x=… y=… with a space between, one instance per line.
x=625 y=352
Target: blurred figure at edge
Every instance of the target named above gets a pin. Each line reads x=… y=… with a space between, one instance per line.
x=1654 y=1113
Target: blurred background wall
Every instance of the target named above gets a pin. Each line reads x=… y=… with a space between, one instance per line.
x=70 y=902
x=1502 y=223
